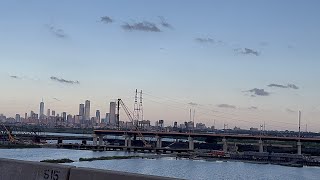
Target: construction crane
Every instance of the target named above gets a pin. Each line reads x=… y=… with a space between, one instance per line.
x=131 y=118
x=11 y=138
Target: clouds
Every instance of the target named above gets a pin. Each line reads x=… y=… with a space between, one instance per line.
x=204 y=40
x=226 y=106
x=192 y=104
x=258 y=92
x=290 y=110
x=59 y=33
x=262 y=92
x=247 y=51
x=277 y=85
x=61 y=80
x=56 y=99
x=164 y=23
x=15 y=77
x=145 y=26
x=106 y=19
x=253 y=108
x=291 y=86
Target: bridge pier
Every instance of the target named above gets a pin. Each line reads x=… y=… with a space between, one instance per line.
x=159 y=142
x=225 y=145
x=299 y=147
x=100 y=140
x=94 y=139
x=191 y=143
x=260 y=146
x=127 y=141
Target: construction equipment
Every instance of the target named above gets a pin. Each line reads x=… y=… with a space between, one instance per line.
x=10 y=137
x=133 y=120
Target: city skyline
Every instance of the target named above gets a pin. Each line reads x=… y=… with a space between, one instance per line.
x=214 y=57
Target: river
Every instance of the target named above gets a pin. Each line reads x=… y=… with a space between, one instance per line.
x=167 y=166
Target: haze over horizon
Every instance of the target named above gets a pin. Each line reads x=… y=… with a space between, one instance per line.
x=240 y=63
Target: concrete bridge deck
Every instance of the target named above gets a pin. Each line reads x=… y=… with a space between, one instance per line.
x=203 y=135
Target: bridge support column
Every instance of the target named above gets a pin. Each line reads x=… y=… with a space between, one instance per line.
x=191 y=143
x=100 y=140
x=159 y=142
x=225 y=145
x=127 y=141
x=299 y=147
x=260 y=146
x=94 y=139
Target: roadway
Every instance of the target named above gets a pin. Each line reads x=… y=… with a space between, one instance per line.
x=204 y=135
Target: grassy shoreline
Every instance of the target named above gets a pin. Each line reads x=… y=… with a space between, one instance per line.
x=65 y=160
x=107 y=158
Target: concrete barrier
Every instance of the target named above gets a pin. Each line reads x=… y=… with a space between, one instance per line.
x=95 y=174
x=26 y=170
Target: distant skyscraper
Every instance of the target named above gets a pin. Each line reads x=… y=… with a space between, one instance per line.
x=48 y=113
x=32 y=114
x=112 y=117
x=107 y=119
x=70 y=119
x=81 y=110
x=53 y=113
x=41 y=114
x=64 y=116
x=98 y=116
x=87 y=110
x=18 y=118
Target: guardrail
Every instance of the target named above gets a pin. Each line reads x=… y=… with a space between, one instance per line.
x=27 y=170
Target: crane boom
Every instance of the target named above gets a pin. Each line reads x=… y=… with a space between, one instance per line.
x=131 y=118
x=11 y=138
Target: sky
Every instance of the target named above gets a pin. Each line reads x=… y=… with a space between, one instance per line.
x=241 y=63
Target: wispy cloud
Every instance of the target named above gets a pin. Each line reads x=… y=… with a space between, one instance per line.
x=226 y=106
x=141 y=26
x=106 y=19
x=291 y=86
x=204 y=40
x=258 y=92
x=15 y=77
x=61 y=80
x=290 y=110
x=56 y=99
x=263 y=43
x=164 y=23
x=253 y=108
x=247 y=51
x=57 y=31
x=192 y=104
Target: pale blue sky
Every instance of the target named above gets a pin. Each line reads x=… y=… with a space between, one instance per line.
x=111 y=62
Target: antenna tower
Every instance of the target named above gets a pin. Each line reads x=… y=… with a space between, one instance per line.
x=141 y=106
x=136 y=109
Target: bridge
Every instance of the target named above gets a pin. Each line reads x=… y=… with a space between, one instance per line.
x=98 y=136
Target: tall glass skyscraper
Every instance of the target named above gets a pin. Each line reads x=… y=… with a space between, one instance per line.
x=87 y=110
x=41 y=114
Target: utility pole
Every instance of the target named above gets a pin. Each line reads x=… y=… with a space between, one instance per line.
x=299 y=124
x=299 y=141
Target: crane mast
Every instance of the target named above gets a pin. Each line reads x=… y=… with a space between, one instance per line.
x=127 y=111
